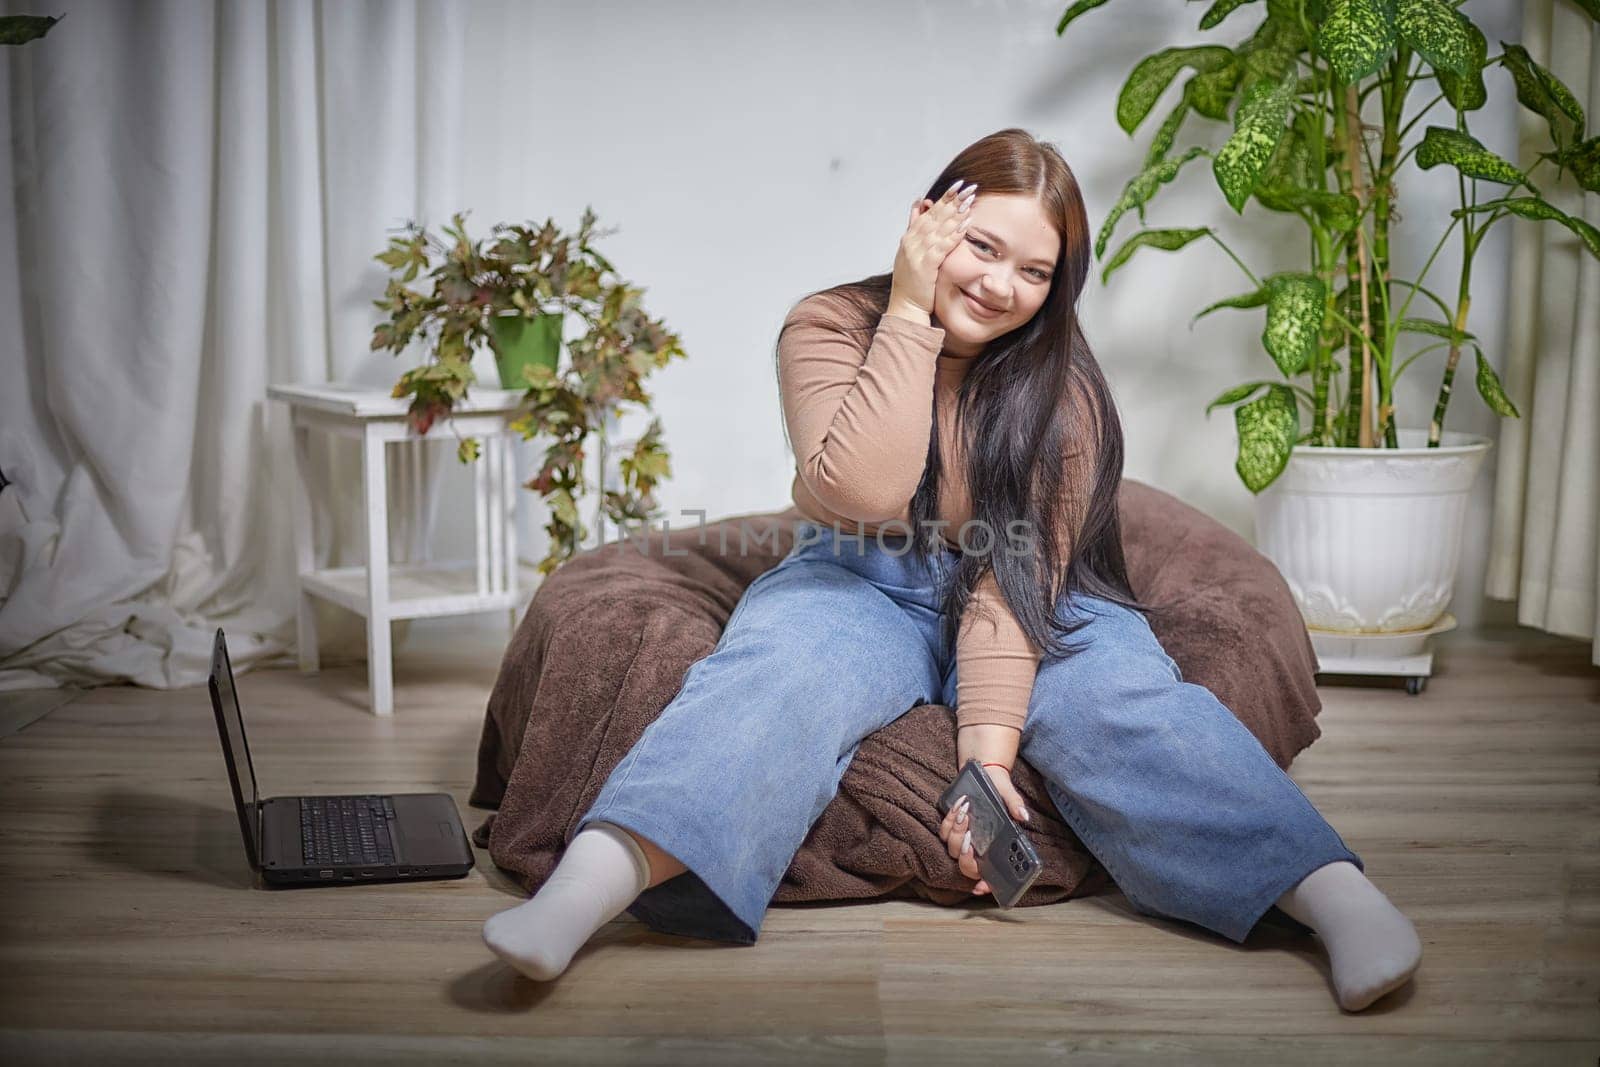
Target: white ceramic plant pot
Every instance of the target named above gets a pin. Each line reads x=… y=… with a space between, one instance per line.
x=1368 y=539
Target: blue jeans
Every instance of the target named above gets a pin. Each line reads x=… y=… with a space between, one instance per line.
x=1191 y=817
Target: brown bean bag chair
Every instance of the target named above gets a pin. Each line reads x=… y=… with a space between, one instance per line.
x=609 y=635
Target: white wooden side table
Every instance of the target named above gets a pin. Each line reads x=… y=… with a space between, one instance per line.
x=492 y=580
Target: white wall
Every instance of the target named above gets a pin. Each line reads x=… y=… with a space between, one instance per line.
x=753 y=152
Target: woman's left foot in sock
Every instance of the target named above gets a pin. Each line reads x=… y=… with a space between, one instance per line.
x=1372 y=947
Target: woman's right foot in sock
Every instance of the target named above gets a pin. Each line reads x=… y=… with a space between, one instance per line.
x=601 y=873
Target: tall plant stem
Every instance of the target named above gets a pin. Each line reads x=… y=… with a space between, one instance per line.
x=1358 y=188
x=1324 y=405
x=1324 y=401
x=1395 y=88
x=1436 y=425
x=1354 y=397
x=1463 y=302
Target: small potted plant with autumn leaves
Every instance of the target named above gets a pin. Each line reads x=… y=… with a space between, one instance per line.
x=511 y=292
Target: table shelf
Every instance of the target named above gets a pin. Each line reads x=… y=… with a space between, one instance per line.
x=493 y=580
x=423 y=590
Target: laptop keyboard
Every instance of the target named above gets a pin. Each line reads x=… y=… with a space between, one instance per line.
x=346 y=830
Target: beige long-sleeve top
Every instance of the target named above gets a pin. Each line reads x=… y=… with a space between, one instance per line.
x=859 y=414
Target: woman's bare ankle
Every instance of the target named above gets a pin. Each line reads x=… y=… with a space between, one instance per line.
x=663 y=865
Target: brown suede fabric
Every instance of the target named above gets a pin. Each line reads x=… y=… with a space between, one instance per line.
x=608 y=637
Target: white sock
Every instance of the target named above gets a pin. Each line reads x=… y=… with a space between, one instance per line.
x=599 y=875
x=1373 y=948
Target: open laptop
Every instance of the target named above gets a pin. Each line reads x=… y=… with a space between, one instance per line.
x=336 y=839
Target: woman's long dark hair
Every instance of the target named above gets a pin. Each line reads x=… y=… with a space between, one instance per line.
x=1014 y=414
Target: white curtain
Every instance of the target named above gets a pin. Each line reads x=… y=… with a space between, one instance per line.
x=1545 y=547
x=198 y=191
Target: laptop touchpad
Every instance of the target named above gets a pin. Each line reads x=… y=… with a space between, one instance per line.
x=431 y=837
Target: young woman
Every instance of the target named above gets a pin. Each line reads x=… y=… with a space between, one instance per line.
x=957 y=458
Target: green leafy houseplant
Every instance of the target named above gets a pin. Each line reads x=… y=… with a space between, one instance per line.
x=521 y=280
x=1296 y=92
x=20 y=29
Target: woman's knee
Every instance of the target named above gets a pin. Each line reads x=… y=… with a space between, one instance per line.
x=1116 y=685
x=818 y=657
x=1113 y=649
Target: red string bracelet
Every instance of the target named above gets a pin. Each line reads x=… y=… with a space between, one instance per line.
x=1008 y=771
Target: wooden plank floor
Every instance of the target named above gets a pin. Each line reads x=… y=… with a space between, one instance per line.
x=132 y=932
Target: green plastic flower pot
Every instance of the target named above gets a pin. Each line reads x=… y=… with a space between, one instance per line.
x=521 y=343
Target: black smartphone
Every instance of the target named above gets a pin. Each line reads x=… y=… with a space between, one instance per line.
x=1006 y=858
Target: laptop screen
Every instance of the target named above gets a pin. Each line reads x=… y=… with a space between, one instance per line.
x=230 y=726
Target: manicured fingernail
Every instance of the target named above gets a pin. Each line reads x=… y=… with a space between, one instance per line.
x=966 y=842
x=1024 y=813
x=954 y=186
x=966 y=805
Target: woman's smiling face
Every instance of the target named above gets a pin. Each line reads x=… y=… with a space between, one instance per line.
x=1004 y=262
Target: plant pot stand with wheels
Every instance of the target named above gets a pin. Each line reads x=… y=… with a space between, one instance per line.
x=1406 y=655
